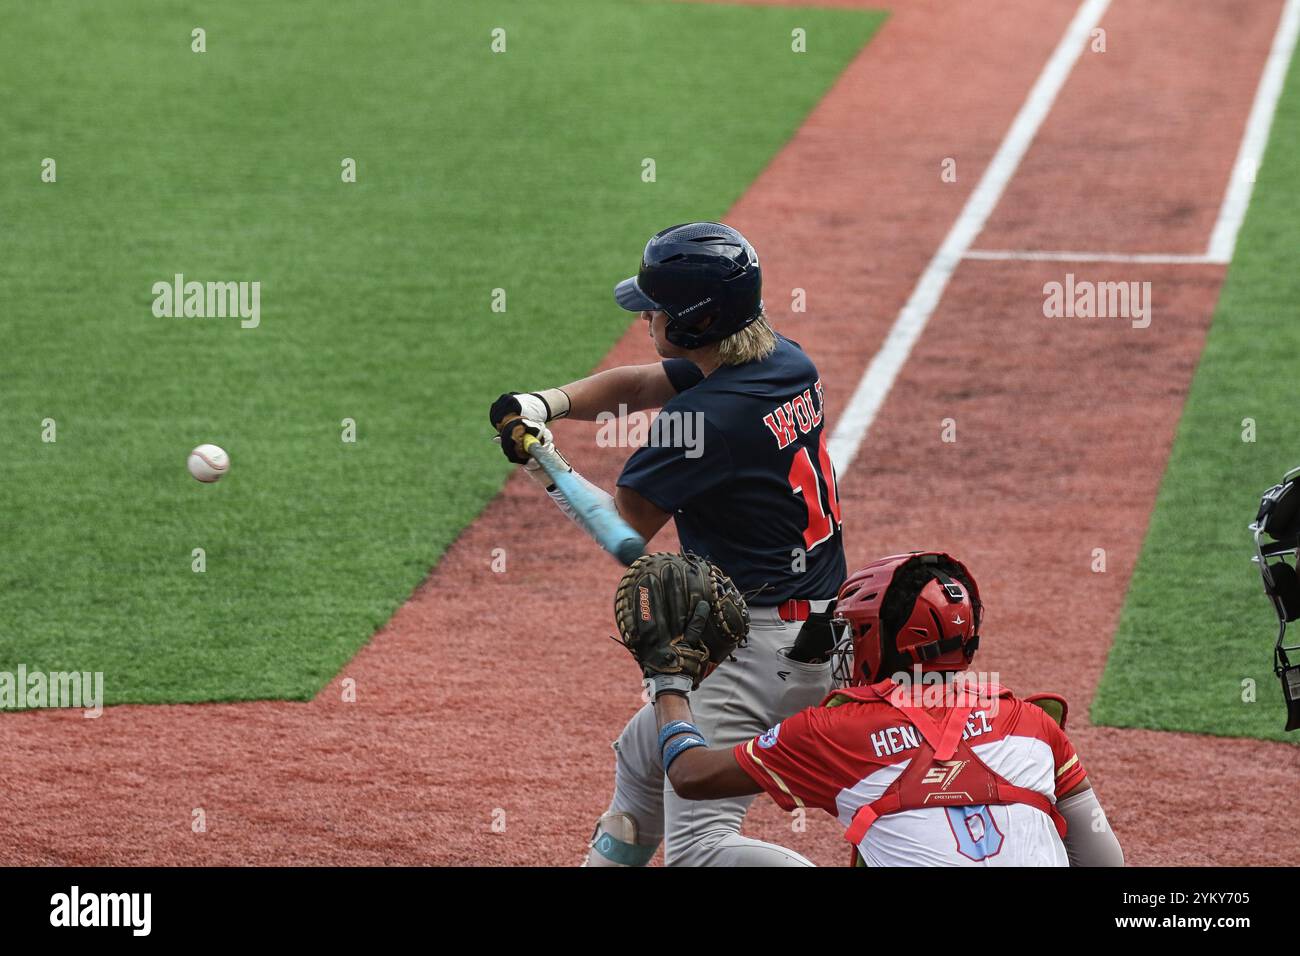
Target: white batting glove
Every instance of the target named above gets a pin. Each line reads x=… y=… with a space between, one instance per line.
x=532 y=407
x=544 y=406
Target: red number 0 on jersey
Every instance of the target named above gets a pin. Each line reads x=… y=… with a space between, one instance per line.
x=805 y=481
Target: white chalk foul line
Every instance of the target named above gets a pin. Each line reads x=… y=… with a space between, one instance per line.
x=1026 y=255
x=885 y=365
x=1236 y=199
x=1223 y=240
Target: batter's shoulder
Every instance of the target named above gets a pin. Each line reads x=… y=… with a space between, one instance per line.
x=791 y=352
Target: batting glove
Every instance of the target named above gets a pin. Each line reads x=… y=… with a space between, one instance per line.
x=543 y=406
x=512 y=441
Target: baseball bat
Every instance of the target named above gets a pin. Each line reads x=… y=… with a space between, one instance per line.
x=596 y=517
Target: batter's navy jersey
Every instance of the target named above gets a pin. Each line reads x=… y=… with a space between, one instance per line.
x=739 y=459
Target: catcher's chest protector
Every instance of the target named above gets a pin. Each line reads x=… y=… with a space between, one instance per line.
x=944 y=773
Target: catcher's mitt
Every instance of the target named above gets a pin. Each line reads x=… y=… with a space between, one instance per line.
x=679 y=615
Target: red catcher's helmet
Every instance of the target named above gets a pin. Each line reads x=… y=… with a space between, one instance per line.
x=940 y=633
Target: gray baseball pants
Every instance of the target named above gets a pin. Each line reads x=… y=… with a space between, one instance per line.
x=738 y=701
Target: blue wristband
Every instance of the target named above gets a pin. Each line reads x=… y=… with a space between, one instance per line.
x=674 y=727
x=678 y=747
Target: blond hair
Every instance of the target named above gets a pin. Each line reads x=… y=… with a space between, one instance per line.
x=753 y=343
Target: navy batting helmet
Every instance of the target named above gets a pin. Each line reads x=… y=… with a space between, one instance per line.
x=695 y=272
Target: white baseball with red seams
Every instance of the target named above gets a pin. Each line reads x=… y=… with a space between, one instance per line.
x=208 y=463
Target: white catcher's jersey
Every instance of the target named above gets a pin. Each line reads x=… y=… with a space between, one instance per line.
x=844 y=757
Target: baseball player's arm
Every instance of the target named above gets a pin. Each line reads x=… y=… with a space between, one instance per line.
x=637 y=387
x=645 y=517
x=701 y=773
x=633 y=387
x=1089 y=840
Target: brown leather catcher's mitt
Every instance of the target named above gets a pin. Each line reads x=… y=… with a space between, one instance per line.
x=679 y=615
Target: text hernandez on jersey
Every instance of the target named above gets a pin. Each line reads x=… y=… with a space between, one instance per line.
x=842 y=758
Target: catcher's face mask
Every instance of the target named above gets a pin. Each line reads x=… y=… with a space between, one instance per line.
x=1279 y=520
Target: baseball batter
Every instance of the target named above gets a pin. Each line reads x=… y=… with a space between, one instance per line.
x=950 y=774
x=753 y=491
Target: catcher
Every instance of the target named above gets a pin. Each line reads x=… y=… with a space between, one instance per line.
x=982 y=779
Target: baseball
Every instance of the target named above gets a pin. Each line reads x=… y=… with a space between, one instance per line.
x=208 y=463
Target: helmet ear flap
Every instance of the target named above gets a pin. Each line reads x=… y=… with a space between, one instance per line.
x=689 y=336
x=871 y=602
x=865 y=666
x=1286 y=588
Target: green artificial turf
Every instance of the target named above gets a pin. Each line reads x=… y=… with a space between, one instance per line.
x=476 y=171
x=1196 y=629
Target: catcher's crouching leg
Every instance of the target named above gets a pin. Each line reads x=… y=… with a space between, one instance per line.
x=632 y=828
